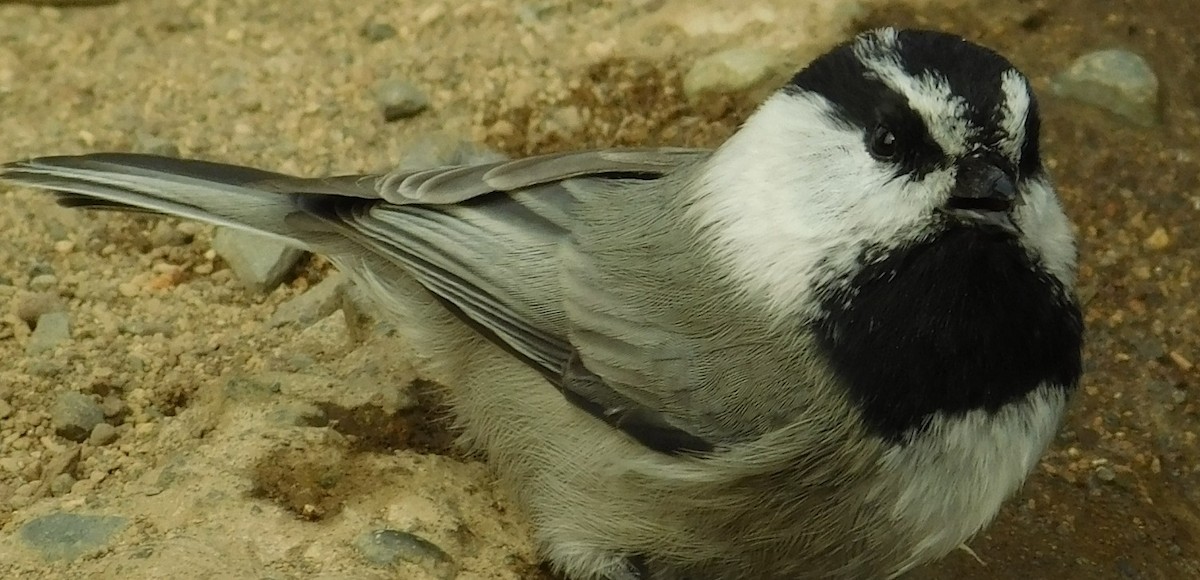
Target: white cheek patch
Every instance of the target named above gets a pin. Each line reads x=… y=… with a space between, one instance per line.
x=1047 y=231
x=793 y=199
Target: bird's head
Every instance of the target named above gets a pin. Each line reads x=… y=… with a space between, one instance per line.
x=892 y=139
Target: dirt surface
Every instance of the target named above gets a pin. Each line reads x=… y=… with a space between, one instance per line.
x=234 y=453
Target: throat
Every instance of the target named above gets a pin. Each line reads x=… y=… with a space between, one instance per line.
x=961 y=322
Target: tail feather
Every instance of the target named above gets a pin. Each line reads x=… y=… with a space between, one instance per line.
x=215 y=193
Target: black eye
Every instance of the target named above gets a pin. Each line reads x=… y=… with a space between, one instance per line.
x=883 y=144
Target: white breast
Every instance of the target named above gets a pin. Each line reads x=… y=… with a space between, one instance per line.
x=951 y=480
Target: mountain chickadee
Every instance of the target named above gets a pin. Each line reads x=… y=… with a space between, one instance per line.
x=831 y=348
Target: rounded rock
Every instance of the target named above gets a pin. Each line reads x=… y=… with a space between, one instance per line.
x=1118 y=81
x=730 y=71
x=399 y=99
x=377 y=31
x=102 y=434
x=74 y=415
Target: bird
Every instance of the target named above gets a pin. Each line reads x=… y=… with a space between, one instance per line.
x=831 y=347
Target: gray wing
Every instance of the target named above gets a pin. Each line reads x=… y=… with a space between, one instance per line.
x=485 y=239
x=444 y=226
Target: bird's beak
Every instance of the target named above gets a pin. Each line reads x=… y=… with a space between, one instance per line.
x=984 y=194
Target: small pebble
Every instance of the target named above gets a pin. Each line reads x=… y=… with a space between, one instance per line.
x=39 y=269
x=113 y=407
x=5 y=409
x=390 y=547
x=259 y=262
x=1159 y=240
x=313 y=305
x=43 y=283
x=32 y=471
x=61 y=484
x=400 y=99
x=1105 y=474
x=53 y=329
x=102 y=434
x=730 y=71
x=74 y=415
x=377 y=31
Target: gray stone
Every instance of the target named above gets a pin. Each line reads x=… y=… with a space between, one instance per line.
x=400 y=99
x=102 y=434
x=377 y=31
x=74 y=415
x=391 y=547
x=440 y=149
x=730 y=71
x=61 y=484
x=1118 y=81
x=43 y=282
x=316 y=303
x=62 y=536
x=53 y=329
x=261 y=263
x=40 y=269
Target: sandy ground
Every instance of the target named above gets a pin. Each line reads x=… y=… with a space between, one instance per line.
x=237 y=450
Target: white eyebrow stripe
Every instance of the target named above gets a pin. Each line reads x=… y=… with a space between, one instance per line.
x=1013 y=112
x=945 y=114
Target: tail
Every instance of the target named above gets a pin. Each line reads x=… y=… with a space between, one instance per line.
x=216 y=193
